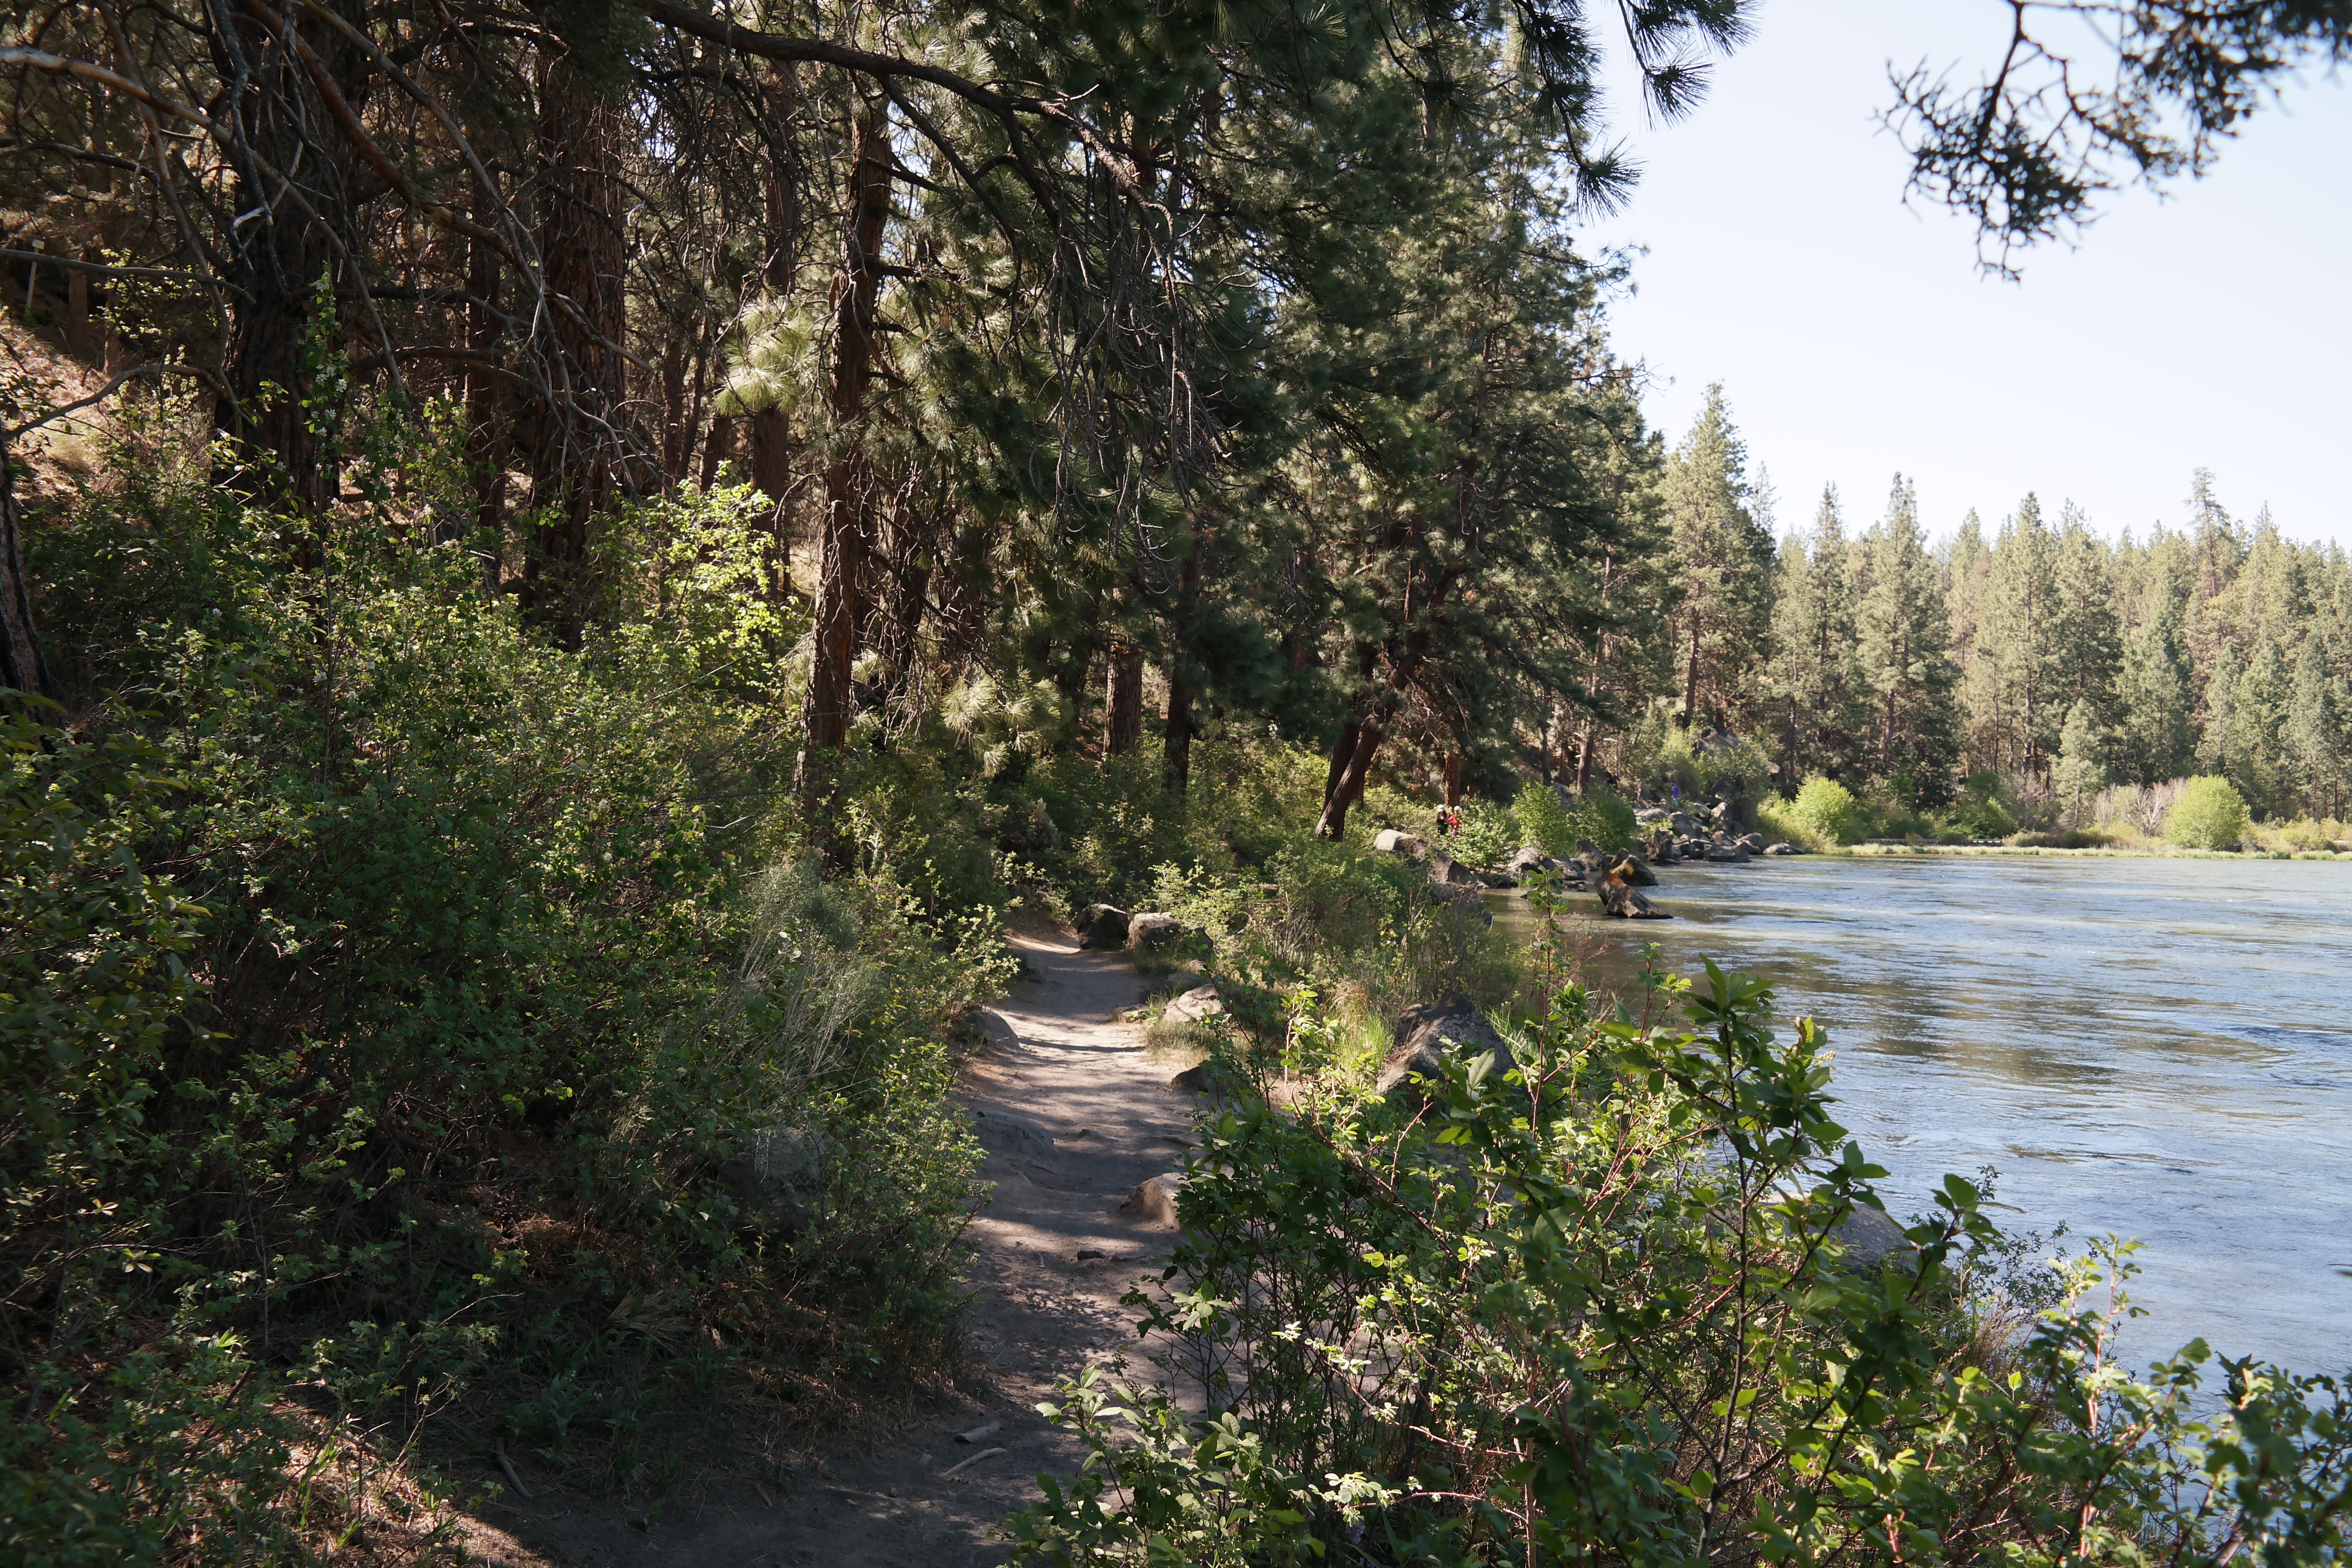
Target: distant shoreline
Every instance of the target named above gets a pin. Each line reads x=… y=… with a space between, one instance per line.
x=2136 y=852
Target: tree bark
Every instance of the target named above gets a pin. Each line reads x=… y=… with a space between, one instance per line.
x=574 y=450
x=283 y=258
x=489 y=415
x=1123 y=722
x=1176 y=742
x=771 y=443
x=22 y=668
x=848 y=478
x=1453 y=780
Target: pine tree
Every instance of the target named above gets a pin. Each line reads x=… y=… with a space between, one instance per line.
x=1724 y=556
x=2082 y=770
x=1821 y=710
x=1904 y=654
x=2020 y=639
x=2315 y=730
x=2087 y=644
x=2158 y=742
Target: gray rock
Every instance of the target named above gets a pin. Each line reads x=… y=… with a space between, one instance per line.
x=1396 y=841
x=1448 y=872
x=1650 y=813
x=1635 y=871
x=1751 y=842
x=1871 y=1237
x=1101 y=928
x=1010 y=1134
x=1153 y=931
x=1467 y=899
x=1782 y=850
x=1201 y=1002
x=1203 y=1077
x=1498 y=880
x=1530 y=859
x=1426 y=1036
x=777 y=1178
x=1623 y=902
x=1154 y=1200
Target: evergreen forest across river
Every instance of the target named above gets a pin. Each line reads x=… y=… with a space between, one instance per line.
x=584 y=583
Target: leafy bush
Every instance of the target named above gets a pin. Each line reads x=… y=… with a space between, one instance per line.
x=1978 y=813
x=387 y=981
x=2209 y=815
x=1828 y=813
x=1544 y=821
x=1489 y=834
x=1602 y=1307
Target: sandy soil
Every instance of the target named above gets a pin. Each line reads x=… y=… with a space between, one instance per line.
x=1074 y=1118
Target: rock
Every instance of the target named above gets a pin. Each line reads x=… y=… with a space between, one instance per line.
x=1685 y=825
x=1154 y=1200
x=1636 y=873
x=1448 y=872
x=777 y=1179
x=1101 y=929
x=1201 y=1002
x=1466 y=898
x=1151 y=930
x=1782 y=850
x=1650 y=813
x=1396 y=841
x=1502 y=880
x=1621 y=899
x=1751 y=842
x=1530 y=859
x=1870 y=1237
x=1427 y=1035
x=1203 y=1077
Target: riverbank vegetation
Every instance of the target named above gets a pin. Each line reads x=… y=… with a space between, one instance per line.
x=565 y=570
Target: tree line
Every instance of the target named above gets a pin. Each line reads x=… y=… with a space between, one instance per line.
x=2039 y=650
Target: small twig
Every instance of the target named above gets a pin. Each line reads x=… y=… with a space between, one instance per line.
x=967 y=1463
x=102 y=393
x=499 y=1448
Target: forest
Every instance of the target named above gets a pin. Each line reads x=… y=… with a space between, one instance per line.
x=568 y=566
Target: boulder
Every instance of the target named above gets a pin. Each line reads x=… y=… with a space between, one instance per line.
x=1620 y=899
x=1466 y=898
x=777 y=1178
x=1650 y=813
x=1101 y=928
x=1635 y=871
x=1205 y=1078
x=1153 y=931
x=1782 y=850
x=1751 y=842
x=1154 y=1200
x=1870 y=1238
x=1528 y=859
x=1448 y=872
x=1396 y=841
x=1426 y=1036
x=1201 y=1002
x=1501 y=881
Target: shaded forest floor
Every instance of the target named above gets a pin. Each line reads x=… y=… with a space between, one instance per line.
x=1074 y=1117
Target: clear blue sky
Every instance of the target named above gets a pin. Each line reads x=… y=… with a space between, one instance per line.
x=1855 y=336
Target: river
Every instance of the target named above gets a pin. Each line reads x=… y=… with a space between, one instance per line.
x=2158 y=1048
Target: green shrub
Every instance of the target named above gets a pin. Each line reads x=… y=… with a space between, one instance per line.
x=1489 y=834
x=1827 y=812
x=1599 y=1308
x=2210 y=814
x=1544 y=821
x=1978 y=813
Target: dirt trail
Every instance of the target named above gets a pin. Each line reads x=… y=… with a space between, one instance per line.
x=1074 y=1118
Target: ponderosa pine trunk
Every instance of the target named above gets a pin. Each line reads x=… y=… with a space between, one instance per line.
x=282 y=258
x=573 y=452
x=22 y=668
x=1176 y=740
x=849 y=477
x=771 y=442
x=1123 y=719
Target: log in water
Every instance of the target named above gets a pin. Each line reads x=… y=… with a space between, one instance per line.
x=2160 y=1048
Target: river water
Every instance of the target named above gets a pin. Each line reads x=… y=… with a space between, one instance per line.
x=2157 y=1048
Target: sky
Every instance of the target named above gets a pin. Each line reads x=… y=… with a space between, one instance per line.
x=1855 y=336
